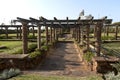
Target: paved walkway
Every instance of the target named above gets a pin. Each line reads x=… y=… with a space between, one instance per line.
x=64 y=60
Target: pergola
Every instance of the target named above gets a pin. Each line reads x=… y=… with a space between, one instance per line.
x=56 y=25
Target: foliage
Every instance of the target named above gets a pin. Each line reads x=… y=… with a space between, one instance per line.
x=9 y=73
x=31 y=37
x=117 y=66
x=44 y=47
x=107 y=37
x=111 y=76
x=88 y=56
x=32 y=47
x=34 y=54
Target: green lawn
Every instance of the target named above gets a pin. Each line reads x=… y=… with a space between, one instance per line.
x=113 y=45
x=39 y=77
x=12 y=46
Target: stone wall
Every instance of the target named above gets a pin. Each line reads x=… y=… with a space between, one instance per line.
x=22 y=63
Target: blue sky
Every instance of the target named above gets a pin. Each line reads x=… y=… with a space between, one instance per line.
x=10 y=9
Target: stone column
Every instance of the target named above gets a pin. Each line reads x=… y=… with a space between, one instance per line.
x=116 y=32
x=39 y=37
x=17 y=32
x=6 y=32
x=33 y=31
x=24 y=37
x=54 y=34
x=98 y=37
x=88 y=31
x=46 y=27
x=81 y=42
x=107 y=30
x=20 y=33
x=95 y=31
x=50 y=34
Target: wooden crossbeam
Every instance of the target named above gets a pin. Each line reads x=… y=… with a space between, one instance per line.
x=23 y=20
x=34 y=20
x=15 y=26
x=43 y=19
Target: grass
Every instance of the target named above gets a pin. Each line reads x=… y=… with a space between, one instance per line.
x=40 y=77
x=113 y=45
x=10 y=45
x=13 y=47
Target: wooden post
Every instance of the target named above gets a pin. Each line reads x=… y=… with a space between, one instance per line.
x=81 y=41
x=107 y=31
x=50 y=34
x=88 y=31
x=54 y=34
x=46 y=27
x=33 y=31
x=116 y=32
x=39 y=37
x=20 y=33
x=17 y=32
x=24 y=37
x=6 y=30
x=95 y=31
x=79 y=34
x=98 y=37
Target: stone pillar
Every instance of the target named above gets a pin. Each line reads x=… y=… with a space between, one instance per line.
x=33 y=31
x=46 y=27
x=107 y=31
x=116 y=32
x=20 y=33
x=17 y=32
x=6 y=32
x=95 y=31
x=50 y=34
x=79 y=34
x=81 y=42
x=24 y=37
x=54 y=34
x=98 y=37
x=39 y=37
x=88 y=31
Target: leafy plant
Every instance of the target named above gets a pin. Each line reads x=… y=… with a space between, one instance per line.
x=88 y=56
x=34 y=54
x=117 y=66
x=111 y=76
x=31 y=37
x=32 y=47
x=9 y=73
x=44 y=47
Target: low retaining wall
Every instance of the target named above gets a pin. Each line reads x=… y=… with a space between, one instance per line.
x=102 y=64
x=23 y=63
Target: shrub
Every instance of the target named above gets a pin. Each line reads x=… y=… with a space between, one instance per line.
x=32 y=47
x=88 y=56
x=31 y=37
x=34 y=54
x=111 y=76
x=44 y=48
x=117 y=66
x=9 y=73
